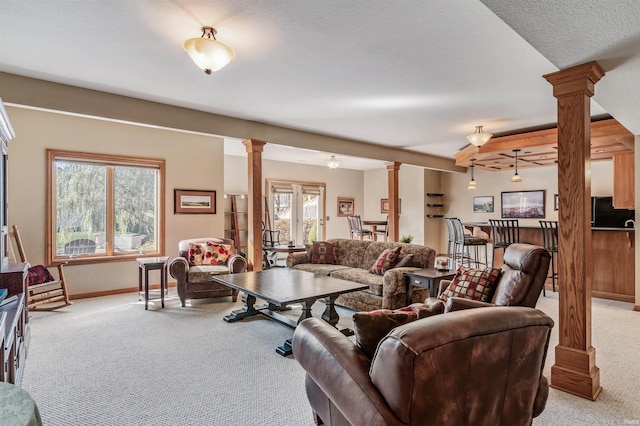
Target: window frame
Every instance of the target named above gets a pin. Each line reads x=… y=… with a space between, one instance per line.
x=53 y=155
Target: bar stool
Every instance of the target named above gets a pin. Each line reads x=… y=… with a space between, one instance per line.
x=464 y=242
x=451 y=243
x=550 y=243
x=504 y=232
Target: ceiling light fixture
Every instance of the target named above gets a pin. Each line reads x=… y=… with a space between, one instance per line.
x=333 y=162
x=516 y=177
x=207 y=52
x=472 y=183
x=479 y=138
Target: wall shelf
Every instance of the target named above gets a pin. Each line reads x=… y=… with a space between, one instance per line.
x=434 y=205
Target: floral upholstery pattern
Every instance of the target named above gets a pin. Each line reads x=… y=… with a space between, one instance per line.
x=202 y=273
x=387 y=291
x=216 y=254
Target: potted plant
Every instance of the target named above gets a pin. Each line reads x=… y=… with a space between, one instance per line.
x=406 y=238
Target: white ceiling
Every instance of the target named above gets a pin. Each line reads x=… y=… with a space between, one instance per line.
x=412 y=74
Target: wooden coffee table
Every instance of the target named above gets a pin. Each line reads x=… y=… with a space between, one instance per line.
x=283 y=287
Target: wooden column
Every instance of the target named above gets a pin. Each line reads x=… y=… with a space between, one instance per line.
x=394 y=203
x=254 y=149
x=575 y=368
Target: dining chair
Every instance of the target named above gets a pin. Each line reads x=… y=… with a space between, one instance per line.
x=355 y=228
x=383 y=231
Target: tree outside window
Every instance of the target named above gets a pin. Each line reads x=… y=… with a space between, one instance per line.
x=104 y=206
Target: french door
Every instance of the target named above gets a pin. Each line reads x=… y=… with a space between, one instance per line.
x=297 y=210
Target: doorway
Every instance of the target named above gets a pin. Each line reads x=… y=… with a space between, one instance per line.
x=297 y=210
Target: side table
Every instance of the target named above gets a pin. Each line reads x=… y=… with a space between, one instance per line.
x=426 y=278
x=146 y=264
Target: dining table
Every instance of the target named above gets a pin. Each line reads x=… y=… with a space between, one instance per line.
x=374 y=224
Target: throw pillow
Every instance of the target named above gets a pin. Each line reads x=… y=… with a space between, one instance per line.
x=323 y=252
x=38 y=274
x=385 y=261
x=196 y=253
x=370 y=327
x=216 y=253
x=404 y=260
x=475 y=284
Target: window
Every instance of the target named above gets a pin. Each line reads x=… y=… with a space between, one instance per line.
x=103 y=207
x=298 y=209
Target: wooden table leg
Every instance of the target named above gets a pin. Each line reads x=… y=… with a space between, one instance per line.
x=248 y=310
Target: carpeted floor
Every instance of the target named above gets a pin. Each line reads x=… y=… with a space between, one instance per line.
x=107 y=361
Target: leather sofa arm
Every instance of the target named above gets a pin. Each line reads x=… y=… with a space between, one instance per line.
x=341 y=371
x=458 y=304
x=432 y=306
x=236 y=264
x=296 y=259
x=178 y=268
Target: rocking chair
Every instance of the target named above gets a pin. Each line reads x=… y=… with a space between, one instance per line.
x=44 y=292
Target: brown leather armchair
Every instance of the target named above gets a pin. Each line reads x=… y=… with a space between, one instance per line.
x=523 y=275
x=195 y=281
x=478 y=366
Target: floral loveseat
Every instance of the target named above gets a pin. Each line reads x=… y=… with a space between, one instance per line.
x=354 y=258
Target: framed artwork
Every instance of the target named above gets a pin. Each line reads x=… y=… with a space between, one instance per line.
x=192 y=201
x=384 y=205
x=483 y=204
x=346 y=206
x=523 y=204
x=555 y=202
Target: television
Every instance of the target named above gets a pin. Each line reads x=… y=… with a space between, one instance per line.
x=604 y=215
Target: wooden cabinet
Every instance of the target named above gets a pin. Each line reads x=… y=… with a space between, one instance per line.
x=16 y=340
x=624 y=181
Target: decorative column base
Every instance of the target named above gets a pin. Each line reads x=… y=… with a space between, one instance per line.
x=575 y=372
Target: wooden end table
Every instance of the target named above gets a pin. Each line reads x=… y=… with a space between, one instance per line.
x=426 y=278
x=146 y=264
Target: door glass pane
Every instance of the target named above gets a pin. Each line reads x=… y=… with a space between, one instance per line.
x=81 y=208
x=310 y=216
x=135 y=215
x=282 y=204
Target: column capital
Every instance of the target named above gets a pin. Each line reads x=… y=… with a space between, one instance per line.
x=394 y=165
x=578 y=79
x=254 y=145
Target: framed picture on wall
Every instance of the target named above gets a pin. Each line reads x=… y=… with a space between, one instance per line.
x=346 y=206
x=384 y=205
x=523 y=204
x=483 y=204
x=192 y=201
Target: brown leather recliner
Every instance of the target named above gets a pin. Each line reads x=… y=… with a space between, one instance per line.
x=523 y=275
x=478 y=366
x=195 y=281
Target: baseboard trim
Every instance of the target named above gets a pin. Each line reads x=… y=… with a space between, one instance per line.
x=116 y=291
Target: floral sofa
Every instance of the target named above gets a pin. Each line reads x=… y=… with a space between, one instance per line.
x=354 y=258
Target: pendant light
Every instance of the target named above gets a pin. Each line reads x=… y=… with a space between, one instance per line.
x=479 y=138
x=516 y=177
x=472 y=183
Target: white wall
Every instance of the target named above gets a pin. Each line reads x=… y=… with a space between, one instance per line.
x=192 y=162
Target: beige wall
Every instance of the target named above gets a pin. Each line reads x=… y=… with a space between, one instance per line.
x=37 y=130
x=339 y=183
x=410 y=191
x=459 y=200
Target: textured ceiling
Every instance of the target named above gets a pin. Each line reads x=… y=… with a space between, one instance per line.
x=415 y=74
